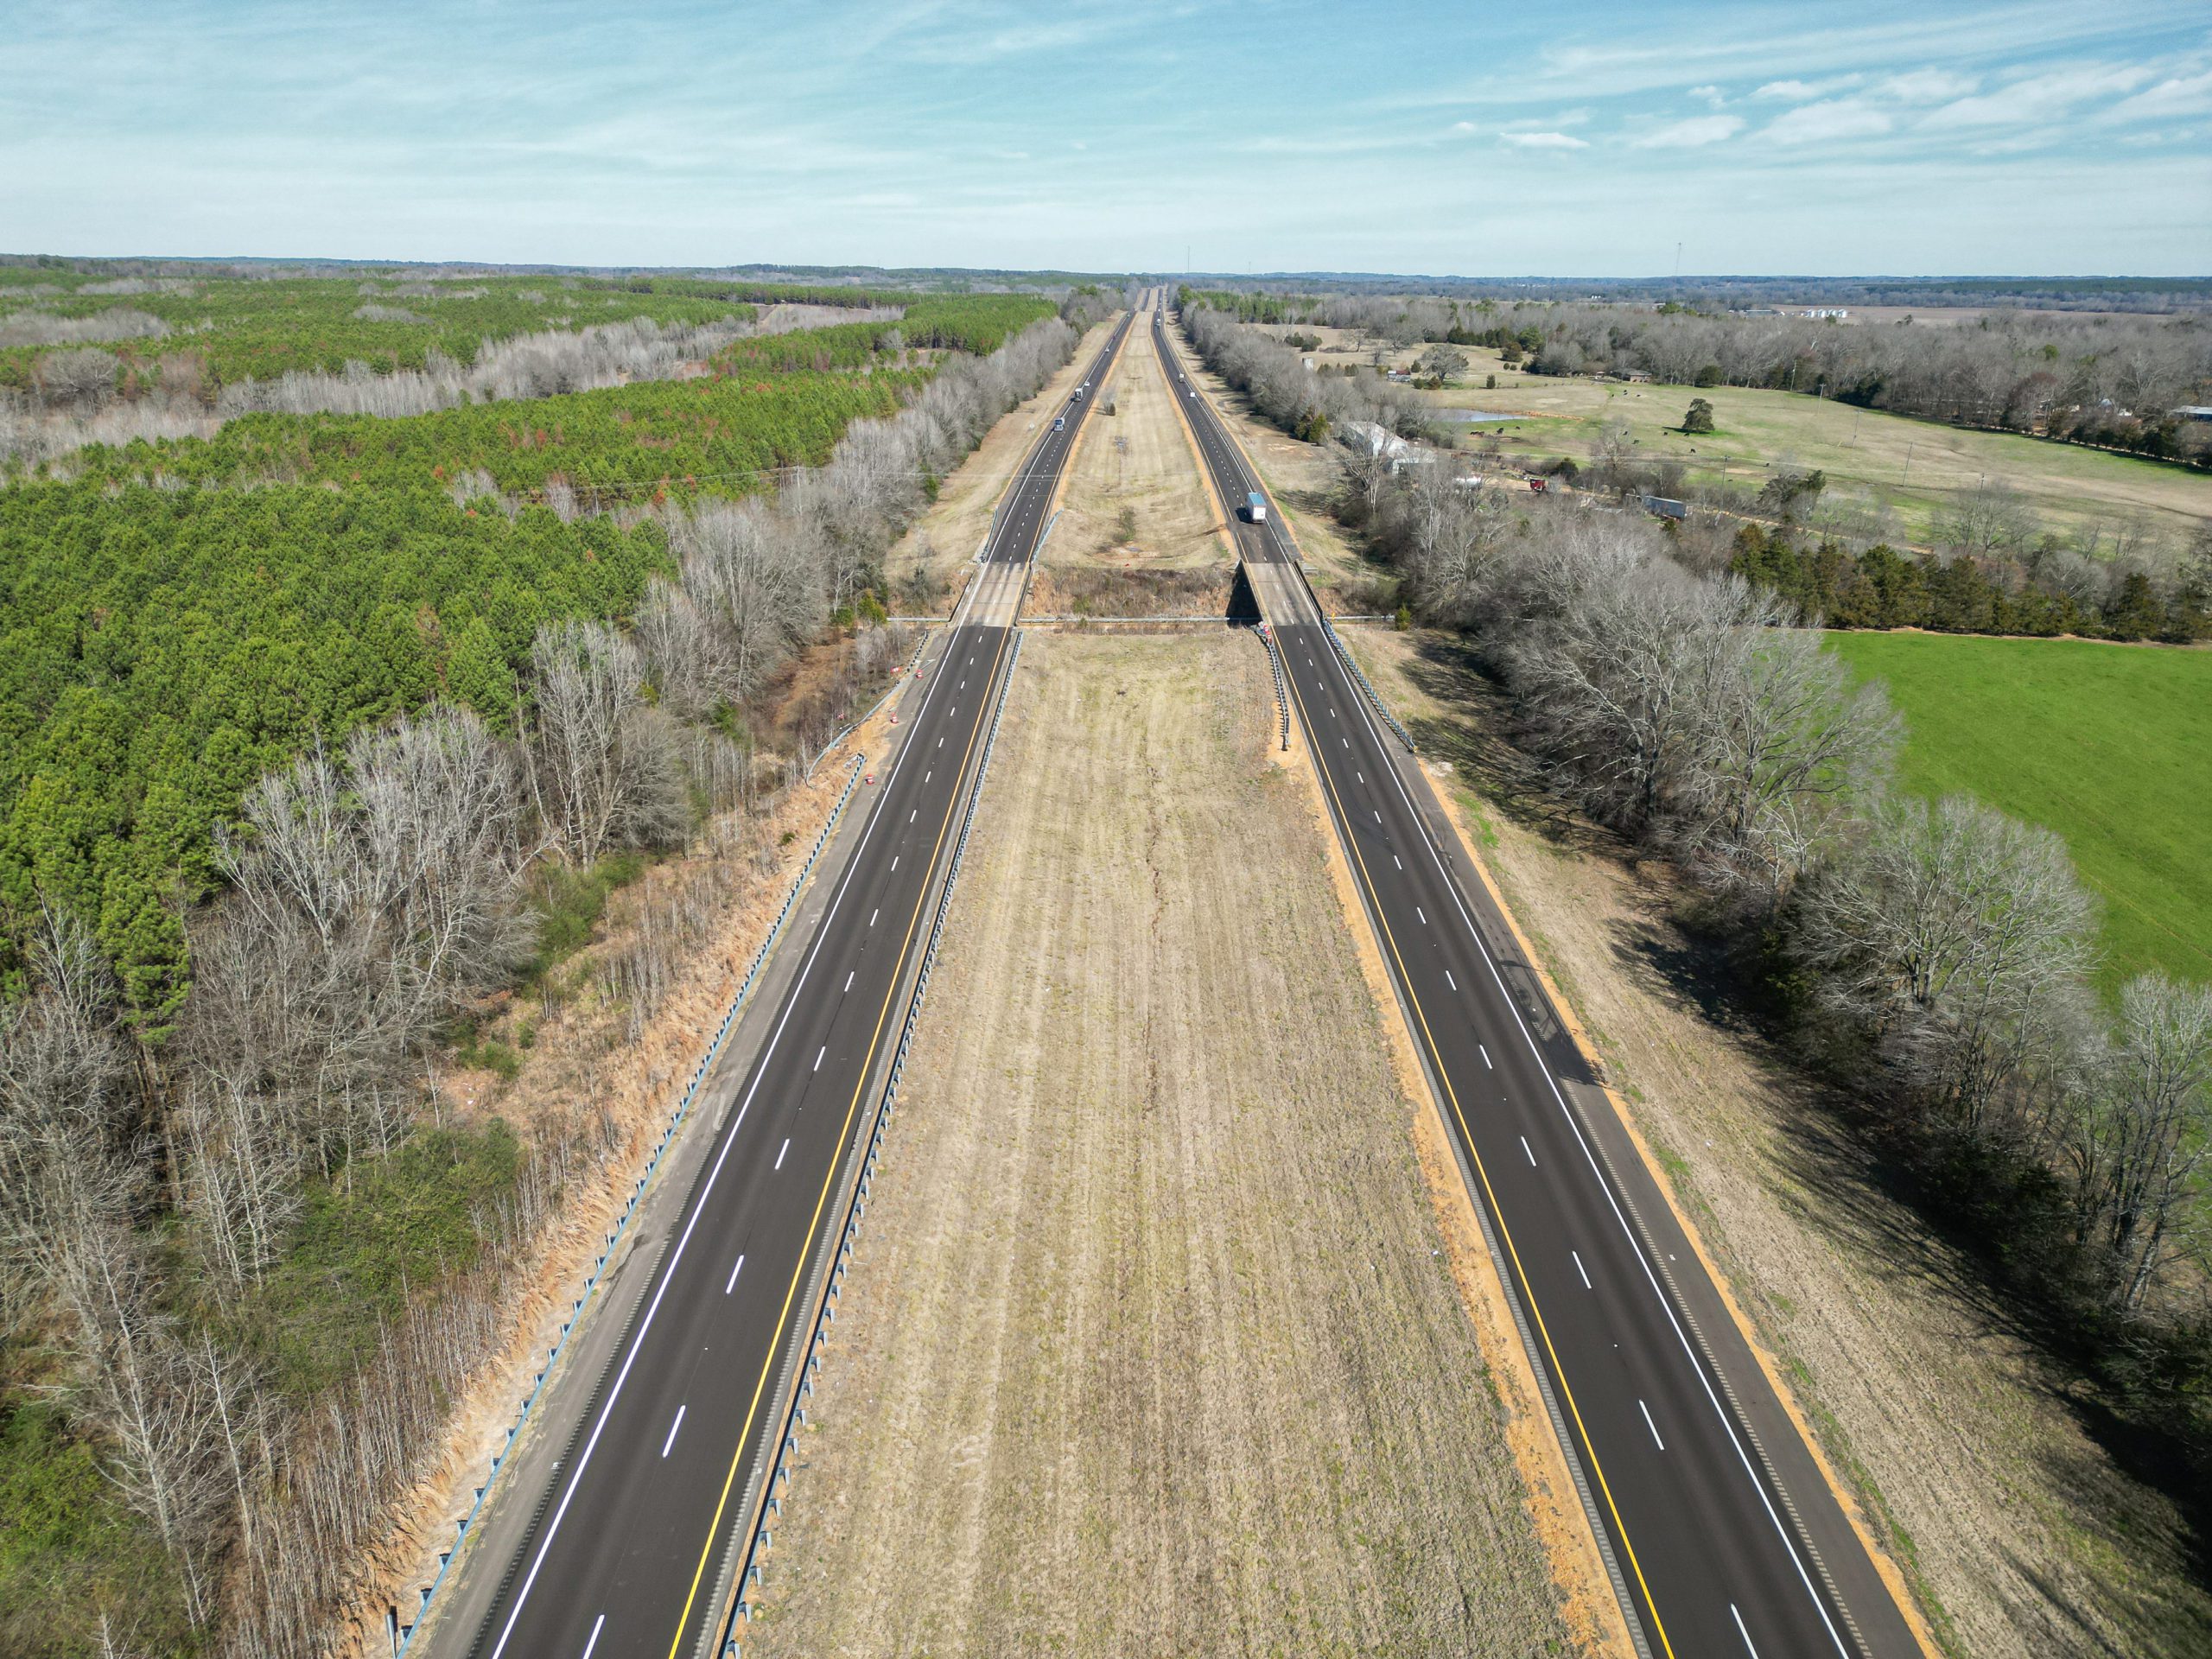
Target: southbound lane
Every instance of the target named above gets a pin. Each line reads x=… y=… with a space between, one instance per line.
x=621 y=1562
x=1721 y=1535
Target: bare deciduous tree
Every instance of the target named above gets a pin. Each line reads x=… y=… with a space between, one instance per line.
x=68 y=1148
x=1959 y=937
x=2140 y=1147
x=746 y=596
x=138 y=1383
x=599 y=761
x=366 y=903
x=1987 y=521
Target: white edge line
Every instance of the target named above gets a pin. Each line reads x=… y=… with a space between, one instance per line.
x=667 y=1272
x=1697 y=1367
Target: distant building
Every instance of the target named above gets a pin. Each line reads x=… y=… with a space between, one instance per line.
x=1823 y=313
x=2194 y=412
x=1375 y=438
x=1663 y=507
x=1378 y=440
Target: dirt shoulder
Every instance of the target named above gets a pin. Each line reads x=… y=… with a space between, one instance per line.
x=1136 y=461
x=943 y=540
x=1302 y=479
x=1153 y=1344
x=2020 y=1533
x=593 y=1053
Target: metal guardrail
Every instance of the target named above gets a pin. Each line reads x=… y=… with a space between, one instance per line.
x=637 y=1195
x=1190 y=621
x=1374 y=697
x=761 y=1537
x=1283 y=692
x=862 y=720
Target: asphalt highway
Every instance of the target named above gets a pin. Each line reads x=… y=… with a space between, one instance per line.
x=623 y=1558
x=1721 y=1536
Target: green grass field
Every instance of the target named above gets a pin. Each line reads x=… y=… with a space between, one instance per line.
x=1912 y=468
x=2110 y=746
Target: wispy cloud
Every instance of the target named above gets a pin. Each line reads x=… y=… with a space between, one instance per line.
x=1926 y=85
x=1693 y=134
x=1797 y=91
x=1829 y=122
x=2040 y=97
x=2176 y=98
x=1965 y=134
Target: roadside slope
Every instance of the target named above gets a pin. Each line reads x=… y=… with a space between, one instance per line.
x=1150 y=1347
x=2018 y=1531
x=928 y=565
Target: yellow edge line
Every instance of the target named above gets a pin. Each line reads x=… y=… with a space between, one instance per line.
x=1205 y=473
x=1405 y=981
x=1060 y=484
x=829 y=1182
x=1855 y=1511
x=1083 y=430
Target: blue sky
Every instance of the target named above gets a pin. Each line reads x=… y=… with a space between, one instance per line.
x=1477 y=138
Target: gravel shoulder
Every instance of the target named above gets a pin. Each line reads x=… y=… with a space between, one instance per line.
x=2018 y=1531
x=1153 y=1344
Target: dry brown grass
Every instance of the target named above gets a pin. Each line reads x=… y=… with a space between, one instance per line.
x=1151 y=1347
x=1135 y=461
x=1303 y=480
x=2020 y=1534
x=1096 y=590
x=943 y=540
x=584 y=1060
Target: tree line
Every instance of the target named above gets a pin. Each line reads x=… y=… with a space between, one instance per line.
x=722 y=435
x=1994 y=569
x=978 y=324
x=1932 y=959
x=82 y=396
x=2112 y=382
x=296 y=779
x=2045 y=593
x=217 y=330
x=1285 y=392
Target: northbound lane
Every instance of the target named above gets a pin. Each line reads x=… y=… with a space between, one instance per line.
x=1718 y=1529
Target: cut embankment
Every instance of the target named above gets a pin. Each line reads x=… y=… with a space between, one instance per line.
x=1151 y=1346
